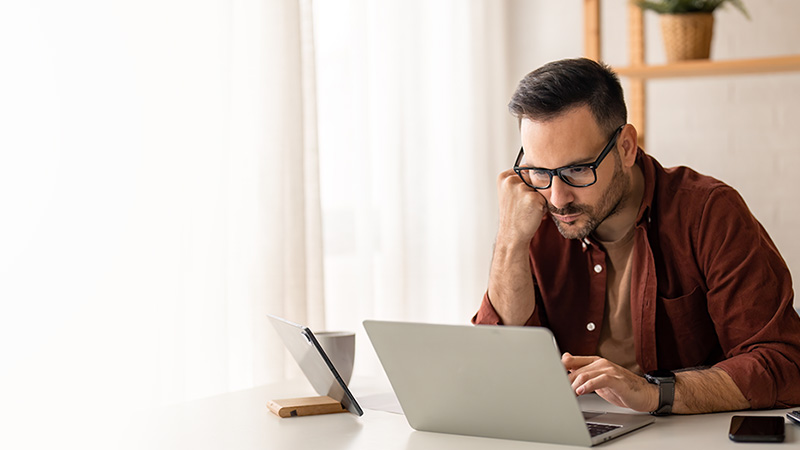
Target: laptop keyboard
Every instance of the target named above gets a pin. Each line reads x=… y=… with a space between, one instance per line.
x=600 y=428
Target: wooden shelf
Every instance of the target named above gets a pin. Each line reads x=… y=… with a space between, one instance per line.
x=702 y=68
x=638 y=72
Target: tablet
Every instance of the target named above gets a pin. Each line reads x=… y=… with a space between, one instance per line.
x=315 y=364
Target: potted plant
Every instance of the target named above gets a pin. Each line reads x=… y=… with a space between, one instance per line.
x=687 y=25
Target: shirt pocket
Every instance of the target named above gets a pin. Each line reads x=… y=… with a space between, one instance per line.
x=685 y=335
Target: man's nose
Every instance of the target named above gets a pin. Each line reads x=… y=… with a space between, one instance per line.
x=561 y=193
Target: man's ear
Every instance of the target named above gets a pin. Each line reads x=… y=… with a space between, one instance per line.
x=628 y=143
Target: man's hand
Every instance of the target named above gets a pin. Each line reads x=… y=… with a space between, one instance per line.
x=511 y=288
x=521 y=209
x=615 y=384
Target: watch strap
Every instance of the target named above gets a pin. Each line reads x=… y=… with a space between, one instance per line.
x=666 y=396
x=665 y=381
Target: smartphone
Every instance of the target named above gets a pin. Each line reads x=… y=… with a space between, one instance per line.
x=756 y=429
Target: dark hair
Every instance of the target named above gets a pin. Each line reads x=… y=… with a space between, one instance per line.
x=559 y=86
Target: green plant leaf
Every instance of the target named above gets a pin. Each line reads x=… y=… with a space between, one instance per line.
x=688 y=6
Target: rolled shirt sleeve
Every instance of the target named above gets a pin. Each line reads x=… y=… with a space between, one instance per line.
x=487 y=315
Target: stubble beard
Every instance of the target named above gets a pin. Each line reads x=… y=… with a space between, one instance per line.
x=609 y=205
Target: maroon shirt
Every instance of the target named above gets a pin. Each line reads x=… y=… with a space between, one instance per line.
x=708 y=288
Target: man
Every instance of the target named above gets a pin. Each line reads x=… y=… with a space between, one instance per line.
x=636 y=269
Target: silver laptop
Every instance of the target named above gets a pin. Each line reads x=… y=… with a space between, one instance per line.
x=314 y=362
x=492 y=381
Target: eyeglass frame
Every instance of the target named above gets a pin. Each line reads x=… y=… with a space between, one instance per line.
x=557 y=172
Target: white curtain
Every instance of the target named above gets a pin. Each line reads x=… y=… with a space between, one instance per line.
x=413 y=131
x=159 y=196
x=160 y=187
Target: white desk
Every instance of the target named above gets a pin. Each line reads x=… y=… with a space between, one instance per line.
x=241 y=420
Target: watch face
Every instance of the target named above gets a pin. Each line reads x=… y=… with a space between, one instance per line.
x=661 y=374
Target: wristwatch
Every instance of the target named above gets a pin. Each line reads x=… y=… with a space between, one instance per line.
x=665 y=380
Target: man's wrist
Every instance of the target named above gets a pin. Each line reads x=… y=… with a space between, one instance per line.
x=652 y=389
x=664 y=380
x=509 y=240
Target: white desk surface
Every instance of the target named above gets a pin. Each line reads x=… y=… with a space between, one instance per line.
x=241 y=420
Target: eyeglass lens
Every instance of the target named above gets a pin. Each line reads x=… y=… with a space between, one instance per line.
x=575 y=176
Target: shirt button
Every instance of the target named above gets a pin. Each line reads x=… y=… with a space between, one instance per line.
x=590 y=326
x=598 y=268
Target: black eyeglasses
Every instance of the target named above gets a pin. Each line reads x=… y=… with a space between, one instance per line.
x=577 y=175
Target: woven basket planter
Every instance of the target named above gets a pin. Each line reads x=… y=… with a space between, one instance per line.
x=687 y=36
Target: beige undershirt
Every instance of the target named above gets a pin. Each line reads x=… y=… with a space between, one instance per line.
x=616 y=335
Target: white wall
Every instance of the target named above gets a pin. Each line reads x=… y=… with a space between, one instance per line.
x=740 y=129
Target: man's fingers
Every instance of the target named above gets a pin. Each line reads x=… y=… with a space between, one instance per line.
x=588 y=382
x=521 y=208
x=615 y=384
x=576 y=362
x=505 y=175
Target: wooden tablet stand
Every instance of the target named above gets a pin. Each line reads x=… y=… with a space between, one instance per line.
x=305 y=406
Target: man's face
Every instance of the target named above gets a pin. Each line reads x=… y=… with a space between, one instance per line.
x=575 y=138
